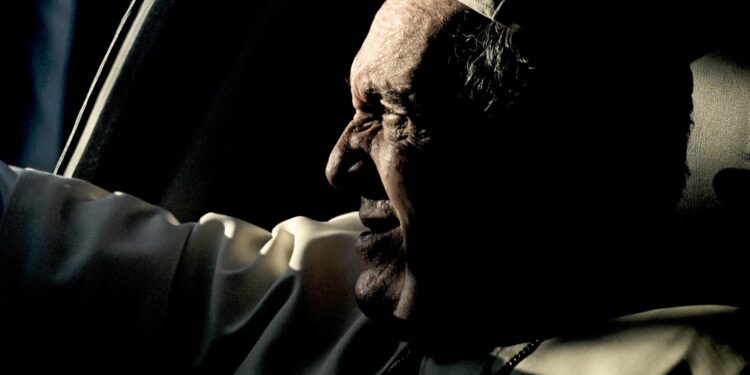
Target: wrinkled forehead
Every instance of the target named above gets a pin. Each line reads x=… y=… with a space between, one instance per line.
x=395 y=47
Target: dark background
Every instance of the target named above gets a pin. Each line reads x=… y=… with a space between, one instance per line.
x=231 y=107
x=51 y=52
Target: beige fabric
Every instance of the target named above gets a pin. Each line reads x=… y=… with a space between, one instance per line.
x=649 y=343
x=720 y=138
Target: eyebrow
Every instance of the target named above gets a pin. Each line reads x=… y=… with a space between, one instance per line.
x=399 y=101
x=401 y=98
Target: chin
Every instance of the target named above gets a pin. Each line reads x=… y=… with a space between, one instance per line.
x=383 y=295
x=377 y=294
x=381 y=289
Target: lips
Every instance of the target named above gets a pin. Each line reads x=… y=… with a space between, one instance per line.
x=380 y=224
x=378 y=215
x=382 y=241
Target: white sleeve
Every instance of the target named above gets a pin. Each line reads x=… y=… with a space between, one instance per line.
x=92 y=281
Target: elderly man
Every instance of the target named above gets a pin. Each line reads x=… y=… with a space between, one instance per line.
x=511 y=196
x=489 y=214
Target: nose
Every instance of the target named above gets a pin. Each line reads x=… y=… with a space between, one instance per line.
x=351 y=168
x=344 y=162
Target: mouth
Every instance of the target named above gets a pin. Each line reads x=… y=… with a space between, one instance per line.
x=380 y=224
x=378 y=216
x=382 y=239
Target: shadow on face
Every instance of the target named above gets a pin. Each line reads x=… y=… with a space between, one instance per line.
x=477 y=218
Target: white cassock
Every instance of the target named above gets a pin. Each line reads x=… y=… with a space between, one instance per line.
x=92 y=281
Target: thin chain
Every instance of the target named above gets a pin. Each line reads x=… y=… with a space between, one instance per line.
x=520 y=356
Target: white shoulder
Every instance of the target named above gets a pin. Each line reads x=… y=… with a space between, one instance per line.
x=701 y=340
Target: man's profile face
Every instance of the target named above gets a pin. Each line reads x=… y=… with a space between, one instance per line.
x=451 y=244
x=391 y=154
x=452 y=198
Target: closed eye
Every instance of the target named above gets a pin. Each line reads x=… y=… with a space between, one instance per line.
x=365 y=125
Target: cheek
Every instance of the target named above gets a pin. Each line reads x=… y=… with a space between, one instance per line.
x=394 y=168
